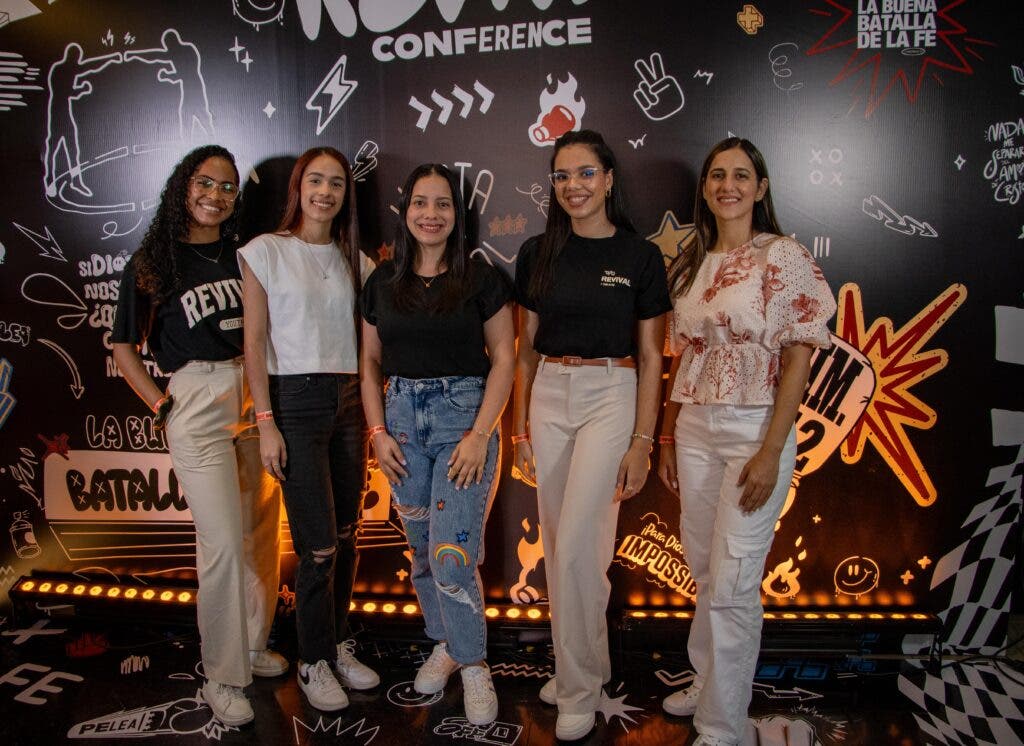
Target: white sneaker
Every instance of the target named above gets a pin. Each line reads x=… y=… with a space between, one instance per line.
x=573 y=727
x=549 y=692
x=478 y=695
x=710 y=741
x=228 y=703
x=683 y=702
x=351 y=672
x=434 y=672
x=322 y=690
x=267 y=663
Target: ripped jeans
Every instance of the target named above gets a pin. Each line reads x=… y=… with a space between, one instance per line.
x=320 y=416
x=428 y=417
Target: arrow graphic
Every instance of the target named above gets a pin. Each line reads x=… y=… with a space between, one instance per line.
x=76 y=380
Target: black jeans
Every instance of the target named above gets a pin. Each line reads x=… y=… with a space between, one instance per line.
x=321 y=418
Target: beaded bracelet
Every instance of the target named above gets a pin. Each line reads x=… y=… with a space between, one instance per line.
x=376 y=429
x=517 y=439
x=264 y=415
x=666 y=440
x=642 y=436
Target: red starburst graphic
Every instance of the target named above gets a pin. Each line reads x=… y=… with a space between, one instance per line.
x=888 y=67
x=899 y=364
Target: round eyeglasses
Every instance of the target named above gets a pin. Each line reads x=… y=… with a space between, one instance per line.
x=584 y=175
x=206 y=185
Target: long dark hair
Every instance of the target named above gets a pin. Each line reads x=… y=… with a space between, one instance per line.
x=344 y=227
x=409 y=293
x=156 y=266
x=559 y=225
x=683 y=269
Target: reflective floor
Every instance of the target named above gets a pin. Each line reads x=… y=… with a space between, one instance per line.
x=69 y=680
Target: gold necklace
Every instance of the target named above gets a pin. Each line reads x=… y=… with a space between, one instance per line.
x=427 y=283
x=201 y=255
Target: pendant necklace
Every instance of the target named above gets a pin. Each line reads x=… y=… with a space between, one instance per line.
x=427 y=283
x=312 y=254
x=201 y=255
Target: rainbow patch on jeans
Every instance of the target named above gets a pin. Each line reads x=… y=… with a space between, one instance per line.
x=456 y=553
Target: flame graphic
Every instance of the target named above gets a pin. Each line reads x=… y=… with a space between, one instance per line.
x=898 y=364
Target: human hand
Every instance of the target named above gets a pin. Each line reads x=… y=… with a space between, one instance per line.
x=758 y=479
x=523 y=467
x=273 y=452
x=390 y=457
x=632 y=471
x=466 y=464
x=667 y=467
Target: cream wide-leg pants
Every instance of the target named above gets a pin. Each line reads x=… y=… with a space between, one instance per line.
x=581 y=419
x=726 y=551
x=235 y=504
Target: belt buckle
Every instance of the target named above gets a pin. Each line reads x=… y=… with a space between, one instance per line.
x=574 y=360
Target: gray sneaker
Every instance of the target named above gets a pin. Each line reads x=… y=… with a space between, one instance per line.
x=434 y=672
x=478 y=695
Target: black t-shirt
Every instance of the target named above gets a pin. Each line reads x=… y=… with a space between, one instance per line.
x=202 y=322
x=599 y=289
x=432 y=345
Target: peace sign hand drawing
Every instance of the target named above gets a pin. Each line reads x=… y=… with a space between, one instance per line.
x=659 y=95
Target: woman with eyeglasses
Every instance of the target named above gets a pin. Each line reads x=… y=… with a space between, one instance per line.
x=438 y=328
x=750 y=306
x=181 y=294
x=300 y=289
x=592 y=298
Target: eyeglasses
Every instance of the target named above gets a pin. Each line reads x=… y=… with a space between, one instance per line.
x=585 y=175
x=206 y=185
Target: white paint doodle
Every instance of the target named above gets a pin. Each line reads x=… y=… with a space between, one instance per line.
x=487 y=251
x=779 y=60
x=76 y=379
x=781 y=696
x=110 y=229
x=16 y=76
x=48 y=246
x=7 y=399
x=142 y=434
x=704 y=74
x=560 y=112
x=541 y=203
x=521 y=671
x=180 y=64
x=960 y=162
x=446 y=106
x=1005 y=167
x=496 y=732
x=67 y=84
x=822 y=246
x=134 y=664
x=334 y=90
x=21 y=636
x=46 y=684
x=357 y=732
x=830 y=160
x=46 y=290
x=269 y=110
x=616 y=707
x=24 y=473
x=259 y=12
x=1018 y=77
x=404 y=695
x=875 y=207
x=245 y=60
x=658 y=94
x=15 y=333
x=638 y=142
x=179 y=717
x=365 y=160
x=682 y=679
x=23 y=536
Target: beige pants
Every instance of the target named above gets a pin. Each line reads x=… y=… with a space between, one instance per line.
x=581 y=419
x=236 y=508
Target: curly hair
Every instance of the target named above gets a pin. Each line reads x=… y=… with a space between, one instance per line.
x=156 y=268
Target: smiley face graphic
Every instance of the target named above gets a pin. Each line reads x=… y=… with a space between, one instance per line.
x=403 y=695
x=856 y=575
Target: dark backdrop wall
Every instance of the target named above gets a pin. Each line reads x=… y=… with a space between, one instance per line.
x=894 y=135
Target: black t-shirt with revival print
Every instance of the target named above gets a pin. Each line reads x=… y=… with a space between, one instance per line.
x=433 y=345
x=203 y=321
x=601 y=287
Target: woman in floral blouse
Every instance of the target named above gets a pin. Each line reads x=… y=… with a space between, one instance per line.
x=749 y=307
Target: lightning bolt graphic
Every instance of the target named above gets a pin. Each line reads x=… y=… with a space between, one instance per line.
x=335 y=90
x=48 y=244
x=899 y=364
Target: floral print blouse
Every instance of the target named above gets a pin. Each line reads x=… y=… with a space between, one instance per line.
x=744 y=306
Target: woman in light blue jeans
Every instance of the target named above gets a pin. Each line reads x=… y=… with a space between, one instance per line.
x=438 y=327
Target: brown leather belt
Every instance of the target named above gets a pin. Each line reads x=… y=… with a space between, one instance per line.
x=609 y=362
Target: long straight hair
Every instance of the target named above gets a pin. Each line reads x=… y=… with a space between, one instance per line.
x=559 y=225
x=409 y=293
x=344 y=226
x=684 y=267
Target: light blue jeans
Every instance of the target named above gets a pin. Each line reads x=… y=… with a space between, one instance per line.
x=445 y=527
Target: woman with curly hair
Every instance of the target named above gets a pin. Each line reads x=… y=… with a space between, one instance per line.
x=181 y=294
x=300 y=287
x=750 y=306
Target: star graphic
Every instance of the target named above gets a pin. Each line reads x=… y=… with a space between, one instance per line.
x=247 y=60
x=671 y=235
x=269 y=110
x=924 y=562
x=236 y=49
x=402 y=575
x=899 y=364
x=907 y=577
x=816 y=519
x=440 y=504
x=462 y=537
